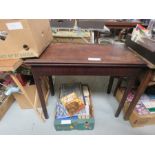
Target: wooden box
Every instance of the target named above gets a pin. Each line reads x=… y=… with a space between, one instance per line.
x=135 y=119
x=21 y=38
x=31 y=92
x=143 y=51
x=6 y=105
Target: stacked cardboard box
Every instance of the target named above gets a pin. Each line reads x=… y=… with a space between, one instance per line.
x=22 y=38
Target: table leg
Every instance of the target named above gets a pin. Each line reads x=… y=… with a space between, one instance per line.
x=118 y=85
x=129 y=87
x=51 y=85
x=96 y=35
x=144 y=83
x=40 y=94
x=111 y=80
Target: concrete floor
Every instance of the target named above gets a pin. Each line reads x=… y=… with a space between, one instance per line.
x=18 y=121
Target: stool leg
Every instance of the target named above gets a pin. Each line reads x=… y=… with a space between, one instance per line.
x=111 y=80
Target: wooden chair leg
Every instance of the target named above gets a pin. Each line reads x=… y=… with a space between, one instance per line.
x=111 y=80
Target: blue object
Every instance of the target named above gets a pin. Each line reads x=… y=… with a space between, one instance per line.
x=11 y=90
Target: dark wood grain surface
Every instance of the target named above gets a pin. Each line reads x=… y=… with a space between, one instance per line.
x=69 y=53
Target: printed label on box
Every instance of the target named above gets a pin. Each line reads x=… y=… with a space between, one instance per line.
x=65 y=121
x=14 y=26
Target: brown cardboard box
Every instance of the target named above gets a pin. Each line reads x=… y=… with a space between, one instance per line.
x=21 y=38
x=140 y=121
x=10 y=64
x=31 y=91
x=135 y=119
x=6 y=105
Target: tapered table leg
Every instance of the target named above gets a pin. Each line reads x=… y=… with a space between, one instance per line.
x=144 y=83
x=118 y=85
x=40 y=94
x=111 y=80
x=129 y=87
x=51 y=85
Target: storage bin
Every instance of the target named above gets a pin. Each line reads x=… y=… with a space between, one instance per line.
x=76 y=123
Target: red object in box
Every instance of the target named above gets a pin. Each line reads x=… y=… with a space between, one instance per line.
x=21 y=79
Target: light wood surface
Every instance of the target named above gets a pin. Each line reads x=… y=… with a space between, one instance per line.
x=9 y=64
x=28 y=98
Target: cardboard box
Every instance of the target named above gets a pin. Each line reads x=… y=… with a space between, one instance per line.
x=74 y=123
x=31 y=91
x=10 y=64
x=135 y=119
x=21 y=38
x=6 y=105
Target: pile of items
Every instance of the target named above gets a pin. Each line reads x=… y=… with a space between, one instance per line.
x=74 y=108
x=21 y=39
x=145 y=105
x=145 y=37
x=6 y=98
x=144 y=112
x=142 y=107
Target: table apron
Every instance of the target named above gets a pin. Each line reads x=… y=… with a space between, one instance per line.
x=76 y=70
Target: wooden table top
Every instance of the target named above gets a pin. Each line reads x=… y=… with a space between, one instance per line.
x=91 y=54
